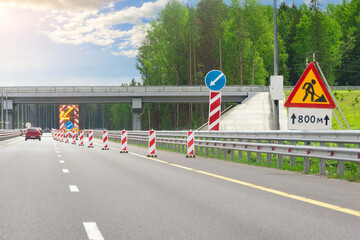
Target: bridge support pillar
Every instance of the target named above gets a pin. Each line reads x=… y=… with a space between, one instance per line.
x=8 y=107
x=136 y=110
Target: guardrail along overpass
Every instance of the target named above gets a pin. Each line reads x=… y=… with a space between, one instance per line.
x=12 y=96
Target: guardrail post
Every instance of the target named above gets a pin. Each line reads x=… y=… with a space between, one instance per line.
x=280 y=160
x=322 y=166
x=240 y=155
x=292 y=157
x=258 y=154
x=218 y=151
x=340 y=168
x=268 y=160
x=207 y=151
x=306 y=164
x=225 y=154
x=248 y=156
x=232 y=155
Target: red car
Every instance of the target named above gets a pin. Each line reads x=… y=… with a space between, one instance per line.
x=33 y=133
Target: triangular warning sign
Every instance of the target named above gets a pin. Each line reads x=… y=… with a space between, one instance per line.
x=310 y=91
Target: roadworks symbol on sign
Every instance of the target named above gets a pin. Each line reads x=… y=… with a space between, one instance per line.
x=310 y=91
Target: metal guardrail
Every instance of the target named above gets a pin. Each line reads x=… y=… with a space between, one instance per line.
x=344 y=146
x=7 y=134
x=128 y=89
x=333 y=88
x=144 y=89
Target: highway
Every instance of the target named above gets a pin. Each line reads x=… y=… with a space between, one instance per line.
x=52 y=190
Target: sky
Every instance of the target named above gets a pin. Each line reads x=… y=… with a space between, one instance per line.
x=76 y=42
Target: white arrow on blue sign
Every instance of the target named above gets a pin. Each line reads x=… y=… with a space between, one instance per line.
x=69 y=125
x=215 y=80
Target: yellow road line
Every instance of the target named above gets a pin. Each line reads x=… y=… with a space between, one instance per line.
x=265 y=189
x=7 y=144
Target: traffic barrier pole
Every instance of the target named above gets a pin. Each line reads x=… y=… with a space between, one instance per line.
x=105 y=140
x=152 y=143
x=214 y=111
x=190 y=144
x=81 y=138
x=67 y=137
x=123 y=142
x=62 y=136
x=73 y=137
x=91 y=137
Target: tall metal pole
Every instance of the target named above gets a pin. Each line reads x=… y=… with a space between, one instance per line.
x=276 y=102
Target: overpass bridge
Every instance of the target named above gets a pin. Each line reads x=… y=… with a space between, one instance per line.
x=13 y=96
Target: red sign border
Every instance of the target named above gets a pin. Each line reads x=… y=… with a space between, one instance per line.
x=288 y=103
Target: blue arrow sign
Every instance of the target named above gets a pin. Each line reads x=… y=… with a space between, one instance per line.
x=69 y=125
x=215 y=80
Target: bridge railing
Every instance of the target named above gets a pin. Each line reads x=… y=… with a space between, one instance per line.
x=339 y=146
x=7 y=134
x=142 y=89
x=127 y=89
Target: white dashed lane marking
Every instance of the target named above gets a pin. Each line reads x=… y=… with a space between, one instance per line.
x=61 y=161
x=92 y=231
x=65 y=170
x=59 y=155
x=74 y=188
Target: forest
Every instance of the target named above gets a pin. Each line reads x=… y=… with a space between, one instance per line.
x=184 y=43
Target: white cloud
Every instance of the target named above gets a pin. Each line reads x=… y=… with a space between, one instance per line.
x=101 y=27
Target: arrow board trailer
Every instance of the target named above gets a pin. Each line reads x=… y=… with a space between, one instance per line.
x=310 y=119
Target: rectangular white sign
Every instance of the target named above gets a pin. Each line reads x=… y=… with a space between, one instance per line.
x=310 y=118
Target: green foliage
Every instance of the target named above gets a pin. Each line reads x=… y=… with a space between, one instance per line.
x=184 y=43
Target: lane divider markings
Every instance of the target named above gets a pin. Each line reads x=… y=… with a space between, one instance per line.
x=92 y=231
x=59 y=155
x=251 y=185
x=57 y=152
x=65 y=170
x=61 y=161
x=74 y=188
x=10 y=143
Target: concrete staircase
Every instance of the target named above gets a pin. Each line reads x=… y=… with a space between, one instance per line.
x=254 y=114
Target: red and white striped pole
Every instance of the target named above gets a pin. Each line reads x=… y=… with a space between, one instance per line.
x=123 y=142
x=105 y=140
x=62 y=136
x=214 y=111
x=73 y=133
x=91 y=138
x=67 y=137
x=190 y=144
x=81 y=138
x=152 y=143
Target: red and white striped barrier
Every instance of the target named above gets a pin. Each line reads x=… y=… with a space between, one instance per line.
x=214 y=111
x=62 y=136
x=81 y=138
x=67 y=137
x=73 y=133
x=152 y=143
x=123 y=142
x=91 y=139
x=105 y=140
x=190 y=144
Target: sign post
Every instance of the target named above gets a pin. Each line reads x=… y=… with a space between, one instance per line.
x=310 y=104
x=215 y=80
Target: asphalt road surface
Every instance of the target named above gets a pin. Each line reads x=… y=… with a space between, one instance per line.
x=52 y=190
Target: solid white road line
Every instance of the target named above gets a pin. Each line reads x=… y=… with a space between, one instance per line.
x=61 y=161
x=92 y=231
x=73 y=188
x=65 y=170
